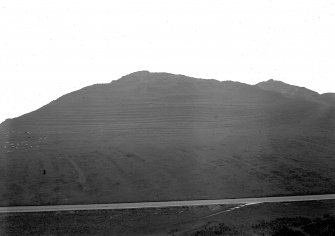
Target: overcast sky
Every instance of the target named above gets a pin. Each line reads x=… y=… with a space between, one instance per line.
x=49 y=48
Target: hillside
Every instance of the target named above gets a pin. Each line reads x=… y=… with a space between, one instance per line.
x=287 y=89
x=329 y=97
x=159 y=136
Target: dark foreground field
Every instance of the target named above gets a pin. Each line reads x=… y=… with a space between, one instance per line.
x=302 y=218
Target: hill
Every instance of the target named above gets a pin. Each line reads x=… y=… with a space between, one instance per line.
x=159 y=136
x=329 y=97
x=287 y=89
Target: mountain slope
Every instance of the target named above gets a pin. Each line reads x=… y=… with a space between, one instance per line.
x=329 y=97
x=159 y=136
x=287 y=89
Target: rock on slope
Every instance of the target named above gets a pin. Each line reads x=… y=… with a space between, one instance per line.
x=159 y=136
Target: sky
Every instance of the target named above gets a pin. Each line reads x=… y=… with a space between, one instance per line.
x=50 y=48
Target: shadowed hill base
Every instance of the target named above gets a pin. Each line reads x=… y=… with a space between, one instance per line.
x=158 y=136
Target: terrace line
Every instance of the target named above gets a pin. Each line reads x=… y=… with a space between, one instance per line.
x=134 y=205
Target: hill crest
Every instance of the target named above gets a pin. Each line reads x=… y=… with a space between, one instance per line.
x=286 y=89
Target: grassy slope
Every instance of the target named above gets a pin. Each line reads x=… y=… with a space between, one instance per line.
x=154 y=137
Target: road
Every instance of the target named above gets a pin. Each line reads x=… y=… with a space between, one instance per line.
x=19 y=209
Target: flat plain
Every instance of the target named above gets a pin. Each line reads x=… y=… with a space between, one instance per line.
x=298 y=218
